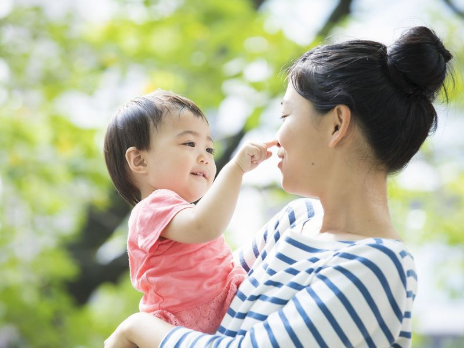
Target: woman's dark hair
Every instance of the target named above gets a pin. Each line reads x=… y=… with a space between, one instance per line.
x=132 y=125
x=389 y=91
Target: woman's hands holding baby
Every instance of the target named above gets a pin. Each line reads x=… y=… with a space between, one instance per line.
x=140 y=330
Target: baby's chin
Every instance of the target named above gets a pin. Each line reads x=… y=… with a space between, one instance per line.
x=193 y=198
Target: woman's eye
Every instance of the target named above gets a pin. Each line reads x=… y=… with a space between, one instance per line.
x=210 y=150
x=190 y=143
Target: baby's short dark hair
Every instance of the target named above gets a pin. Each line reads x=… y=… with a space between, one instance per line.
x=131 y=126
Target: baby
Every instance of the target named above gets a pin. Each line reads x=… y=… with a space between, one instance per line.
x=159 y=154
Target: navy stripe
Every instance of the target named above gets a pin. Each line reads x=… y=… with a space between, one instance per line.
x=273 y=283
x=405 y=334
x=217 y=342
x=309 y=270
x=285 y=258
x=295 y=285
x=230 y=342
x=370 y=301
x=292 y=271
x=265 y=235
x=276 y=233
x=333 y=322
x=270 y=334
x=309 y=324
x=302 y=246
x=407 y=315
x=394 y=259
x=211 y=339
x=231 y=312
x=270 y=271
x=240 y=315
x=263 y=255
x=349 y=308
x=264 y=298
x=196 y=340
x=289 y=330
x=291 y=216
x=169 y=335
x=243 y=262
x=404 y=253
x=309 y=208
x=255 y=248
x=411 y=273
x=179 y=342
x=241 y=295
x=257 y=316
x=253 y=281
x=226 y=332
x=254 y=344
x=410 y=294
x=382 y=279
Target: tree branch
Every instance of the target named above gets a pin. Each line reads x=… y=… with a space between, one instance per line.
x=342 y=10
x=257 y=4
x=454 y=8
x=99 y=226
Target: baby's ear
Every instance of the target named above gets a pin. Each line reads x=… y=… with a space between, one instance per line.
x=136 y=161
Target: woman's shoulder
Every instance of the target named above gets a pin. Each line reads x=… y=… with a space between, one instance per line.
x=380 y=256
x=383 y=245
x=302 y=209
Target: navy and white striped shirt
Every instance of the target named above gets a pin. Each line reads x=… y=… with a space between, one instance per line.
x=304 y=292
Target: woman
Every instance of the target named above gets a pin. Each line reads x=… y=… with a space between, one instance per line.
x=353 y=113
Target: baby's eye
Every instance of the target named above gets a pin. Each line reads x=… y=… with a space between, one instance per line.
x=210 y=150
x=283 y=117
x=189 y=143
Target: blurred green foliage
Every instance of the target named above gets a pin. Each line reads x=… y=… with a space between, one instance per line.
x=52 y=169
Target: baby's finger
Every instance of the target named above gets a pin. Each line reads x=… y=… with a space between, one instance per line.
x=271 y=143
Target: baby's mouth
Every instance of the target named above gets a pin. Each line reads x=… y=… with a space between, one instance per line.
x=199 y=174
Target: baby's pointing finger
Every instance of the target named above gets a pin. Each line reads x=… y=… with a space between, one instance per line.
x=271 y=143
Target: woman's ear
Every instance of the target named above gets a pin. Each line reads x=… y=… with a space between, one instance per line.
x=136 y=161
x=341 y=123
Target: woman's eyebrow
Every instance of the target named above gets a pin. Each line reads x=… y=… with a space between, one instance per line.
x=195 y=134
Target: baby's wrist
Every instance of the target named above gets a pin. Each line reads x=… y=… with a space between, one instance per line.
x=235 y=166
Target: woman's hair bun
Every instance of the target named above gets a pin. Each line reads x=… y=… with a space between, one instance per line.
x=417 y=62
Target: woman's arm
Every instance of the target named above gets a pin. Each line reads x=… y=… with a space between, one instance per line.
x=139 y=330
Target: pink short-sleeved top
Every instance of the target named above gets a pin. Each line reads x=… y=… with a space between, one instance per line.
x=173 y=276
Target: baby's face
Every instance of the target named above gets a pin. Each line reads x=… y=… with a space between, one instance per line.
x=181 y=156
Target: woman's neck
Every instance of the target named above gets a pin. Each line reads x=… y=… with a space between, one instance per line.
x=358 y=208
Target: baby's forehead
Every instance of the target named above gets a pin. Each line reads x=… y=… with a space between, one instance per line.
x=176 y=121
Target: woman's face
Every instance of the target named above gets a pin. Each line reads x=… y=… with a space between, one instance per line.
x=303 y=146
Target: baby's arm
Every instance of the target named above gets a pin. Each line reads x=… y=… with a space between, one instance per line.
x=210 y=217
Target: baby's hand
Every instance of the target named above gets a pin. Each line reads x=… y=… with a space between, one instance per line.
x=251 y=155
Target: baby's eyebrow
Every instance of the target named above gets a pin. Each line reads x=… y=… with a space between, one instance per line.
x=195 y=134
